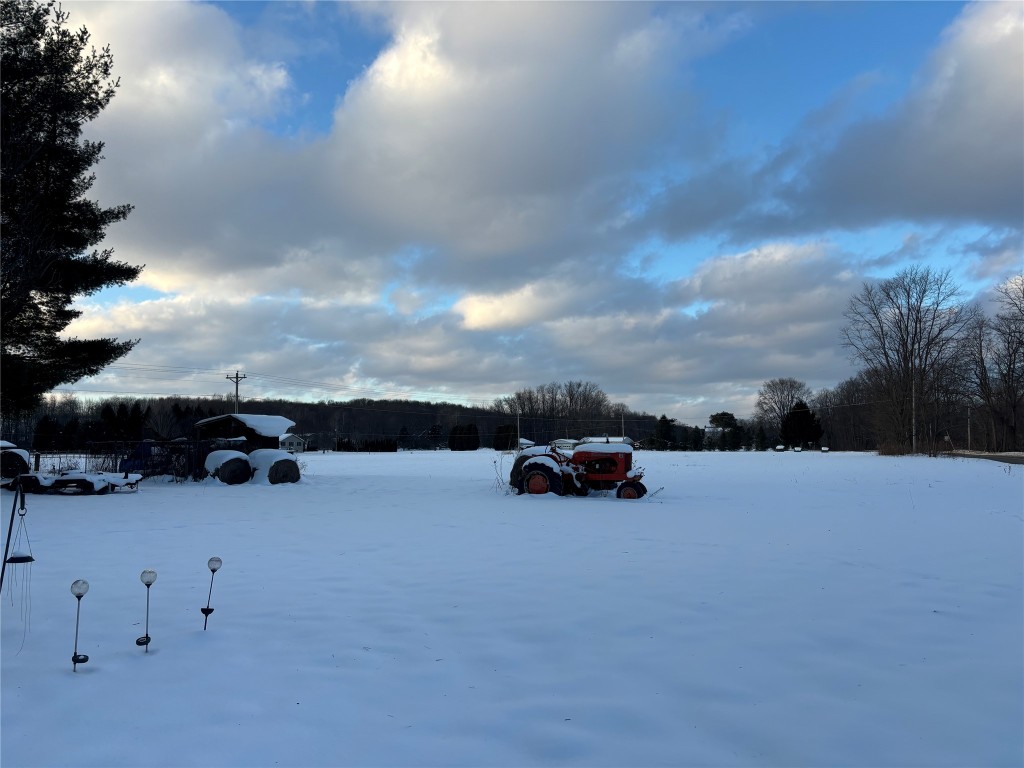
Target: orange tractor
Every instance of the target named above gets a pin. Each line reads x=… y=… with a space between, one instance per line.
x=594 y=464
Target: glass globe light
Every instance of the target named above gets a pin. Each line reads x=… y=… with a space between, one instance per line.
x=79 y=587
x=147 y=577
x=214 y=564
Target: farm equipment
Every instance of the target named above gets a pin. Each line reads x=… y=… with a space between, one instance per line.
x=74 y=481
x=594 y=464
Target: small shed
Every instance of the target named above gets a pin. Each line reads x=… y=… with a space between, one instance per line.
x=292 y=443
x=259 y=431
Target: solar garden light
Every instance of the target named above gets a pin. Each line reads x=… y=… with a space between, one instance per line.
x=78 y=588
x=214 y=564
x=147 y=577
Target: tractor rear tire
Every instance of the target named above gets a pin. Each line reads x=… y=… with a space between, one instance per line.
x=538 y=479
x=631 y=490
x=12 y=464
x=515 y=477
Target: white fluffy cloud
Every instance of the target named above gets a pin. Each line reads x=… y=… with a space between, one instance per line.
x=953 y=151
x=949 y=153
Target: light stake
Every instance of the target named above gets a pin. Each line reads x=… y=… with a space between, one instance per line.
x=147 y=577
x=214 y=564
x=78 y=588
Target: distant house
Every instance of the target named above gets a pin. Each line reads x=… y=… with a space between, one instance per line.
x=292 y=443
x=250 y=431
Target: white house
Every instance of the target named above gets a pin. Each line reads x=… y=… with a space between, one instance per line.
x=292 y=443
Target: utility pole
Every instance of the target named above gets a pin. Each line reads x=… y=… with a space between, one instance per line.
x=236 y=378
x=913 y=404
x=913 y=413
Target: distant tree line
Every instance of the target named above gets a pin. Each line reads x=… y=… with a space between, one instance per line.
x=65 y=423
x=938 y=373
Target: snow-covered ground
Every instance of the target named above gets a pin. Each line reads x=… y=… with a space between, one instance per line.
x=402 y=610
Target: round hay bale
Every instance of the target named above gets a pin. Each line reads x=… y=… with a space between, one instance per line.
x=234 y=472
x=13 y=463
x=230 y=467
x=274 y=466
x=283 y=471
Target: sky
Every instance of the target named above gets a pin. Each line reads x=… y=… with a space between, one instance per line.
x=438 y=201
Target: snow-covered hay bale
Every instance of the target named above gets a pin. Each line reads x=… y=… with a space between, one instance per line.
x=274 y=466
x=230 y=467
x=13 y=462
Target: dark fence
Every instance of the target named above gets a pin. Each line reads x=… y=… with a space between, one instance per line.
x=180 y=459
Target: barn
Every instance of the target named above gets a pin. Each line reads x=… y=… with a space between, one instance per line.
x=248 y=431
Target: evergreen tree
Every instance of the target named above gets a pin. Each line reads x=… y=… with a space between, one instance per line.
x=801 y=426
x=472 y=438
x=504 y=437
x=664 y=437
x=761 y=438
x=723 y=420
x=46 y=436
x=69 y=438
x=735 y=437
x=50 y=86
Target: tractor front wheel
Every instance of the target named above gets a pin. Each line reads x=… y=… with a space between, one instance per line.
x=631 y=490
x=539 y=479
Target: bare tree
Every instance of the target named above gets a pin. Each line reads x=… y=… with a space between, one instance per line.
x=775 y=399
x=570 y=409
x=908 y=331
x=844 y=414
x=997 y=365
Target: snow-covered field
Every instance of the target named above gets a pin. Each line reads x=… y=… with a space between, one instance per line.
x=401 y=610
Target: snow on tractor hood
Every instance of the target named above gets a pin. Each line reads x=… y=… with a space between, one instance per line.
x=605 y=447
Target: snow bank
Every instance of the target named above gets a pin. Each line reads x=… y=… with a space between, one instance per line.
x=402 y=609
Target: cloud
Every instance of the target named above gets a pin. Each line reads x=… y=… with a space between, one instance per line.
x=486 y=133
x=529 y=304
x=951 y=151
x=772 y=311
x=489 y=137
